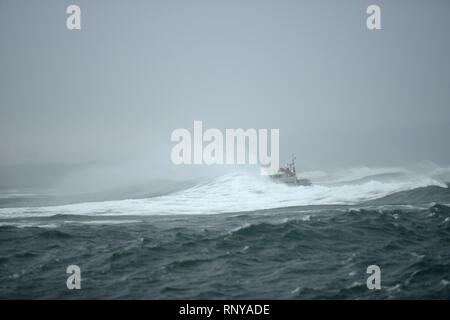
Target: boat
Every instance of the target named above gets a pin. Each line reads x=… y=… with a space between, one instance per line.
x=287 y=175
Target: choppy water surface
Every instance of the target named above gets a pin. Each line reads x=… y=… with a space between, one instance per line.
x=239 y=236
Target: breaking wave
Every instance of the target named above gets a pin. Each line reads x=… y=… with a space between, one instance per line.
x=246 y=192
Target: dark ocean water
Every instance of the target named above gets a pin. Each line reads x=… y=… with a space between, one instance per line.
x=293 y=252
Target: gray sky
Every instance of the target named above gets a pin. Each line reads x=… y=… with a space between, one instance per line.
x=114 y=91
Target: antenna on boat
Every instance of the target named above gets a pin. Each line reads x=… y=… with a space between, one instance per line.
x=293 y=163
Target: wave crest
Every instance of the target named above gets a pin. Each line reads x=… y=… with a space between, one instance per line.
x=245 y=192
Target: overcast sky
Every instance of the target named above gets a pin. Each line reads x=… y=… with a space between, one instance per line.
x=114 y=91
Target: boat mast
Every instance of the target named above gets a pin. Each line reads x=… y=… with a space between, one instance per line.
x=293 y=163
